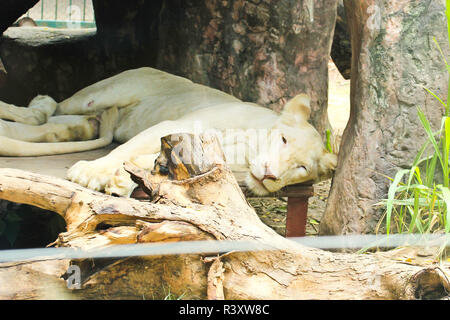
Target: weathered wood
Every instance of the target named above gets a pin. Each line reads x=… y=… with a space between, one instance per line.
x=185 y=156
x=206 y=206
x=177 y=167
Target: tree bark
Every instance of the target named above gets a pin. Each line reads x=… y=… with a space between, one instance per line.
x=205 y=206
x=394 y=58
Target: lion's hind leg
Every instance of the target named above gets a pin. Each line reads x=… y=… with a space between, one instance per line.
x=37 y=113
x=20 y=148
x=57 y=129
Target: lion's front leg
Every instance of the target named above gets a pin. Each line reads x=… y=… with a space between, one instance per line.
x=107 y=173
x=96 y=174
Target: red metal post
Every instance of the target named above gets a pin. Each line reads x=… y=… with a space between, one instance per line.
x=297 y=209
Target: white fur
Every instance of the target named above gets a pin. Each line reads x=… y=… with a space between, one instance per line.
x=153 y=104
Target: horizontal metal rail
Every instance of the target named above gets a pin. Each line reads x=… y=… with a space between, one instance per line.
x=215 y=247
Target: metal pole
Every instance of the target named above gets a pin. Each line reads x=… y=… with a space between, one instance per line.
x=70 y=11
x=297 y=209
x=42 y=9
x=56 y=10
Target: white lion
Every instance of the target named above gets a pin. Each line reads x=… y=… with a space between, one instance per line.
x=138 y=107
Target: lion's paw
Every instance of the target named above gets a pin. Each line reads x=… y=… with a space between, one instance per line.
x=95 y=175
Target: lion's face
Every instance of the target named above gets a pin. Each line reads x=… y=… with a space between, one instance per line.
x=295 y=152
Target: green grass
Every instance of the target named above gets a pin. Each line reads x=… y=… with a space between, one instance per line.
x=171 y=296
x=419 y=197
x=328 y=141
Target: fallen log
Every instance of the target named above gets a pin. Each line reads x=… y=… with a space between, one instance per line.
x=206 y=203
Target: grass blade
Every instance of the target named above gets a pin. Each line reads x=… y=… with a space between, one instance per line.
x=446 y=198
x=427 y=127
x=445 y=151
x=415 y=221
x=436 y=97
x=391 y=196
x=431 y=168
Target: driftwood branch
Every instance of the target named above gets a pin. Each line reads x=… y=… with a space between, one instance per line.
x=206 y=204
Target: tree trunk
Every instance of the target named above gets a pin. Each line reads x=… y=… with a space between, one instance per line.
x=394 y=57
x=205 y=204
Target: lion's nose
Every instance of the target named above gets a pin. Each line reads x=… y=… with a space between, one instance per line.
x=268 y=174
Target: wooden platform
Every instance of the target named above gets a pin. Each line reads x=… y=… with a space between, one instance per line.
x=53 y=165
x=57 y=166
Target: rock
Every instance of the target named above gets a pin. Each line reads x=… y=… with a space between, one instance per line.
x=394 y=57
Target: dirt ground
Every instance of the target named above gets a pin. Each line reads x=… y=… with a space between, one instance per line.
x=272 y=211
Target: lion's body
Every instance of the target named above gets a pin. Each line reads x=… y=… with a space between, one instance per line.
x=146 y=97
x=140 y=106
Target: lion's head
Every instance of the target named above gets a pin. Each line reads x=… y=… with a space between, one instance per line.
x=296 y=152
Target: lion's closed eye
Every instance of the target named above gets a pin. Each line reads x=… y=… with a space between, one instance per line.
x=302 y=170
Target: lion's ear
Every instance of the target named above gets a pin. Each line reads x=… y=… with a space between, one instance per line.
x=297 y=109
